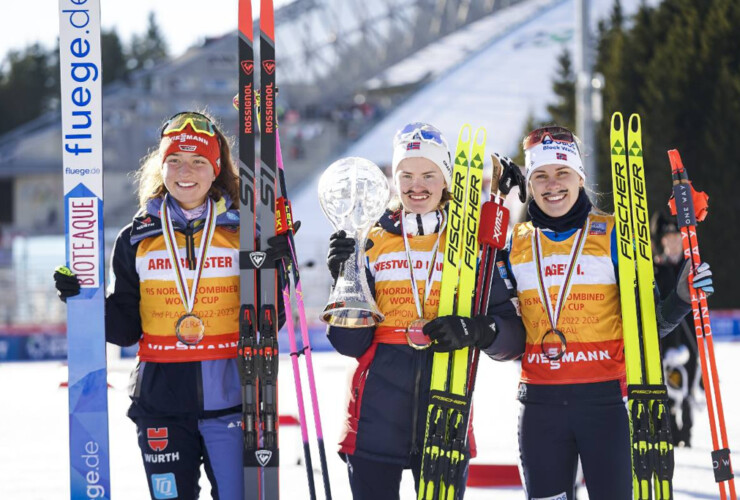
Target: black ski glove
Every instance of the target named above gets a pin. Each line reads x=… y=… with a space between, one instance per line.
x=340 y=248
x=278 y=247
x=702 y=280
x=512 y=176
x=455 y=332
x=66 y=283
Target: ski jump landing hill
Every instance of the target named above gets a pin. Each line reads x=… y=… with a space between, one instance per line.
x=496 y=72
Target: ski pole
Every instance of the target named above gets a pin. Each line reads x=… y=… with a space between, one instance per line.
x=305 y=340
x=684 y=206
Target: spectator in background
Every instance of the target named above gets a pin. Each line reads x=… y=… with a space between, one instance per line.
x=679 y=348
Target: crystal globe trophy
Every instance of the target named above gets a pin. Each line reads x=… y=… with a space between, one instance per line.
x=353 y=193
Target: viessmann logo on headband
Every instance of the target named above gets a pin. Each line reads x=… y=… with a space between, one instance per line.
x=189 y=137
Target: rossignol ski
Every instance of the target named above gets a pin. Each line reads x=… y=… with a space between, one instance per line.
x=444 y=455
x=268 y=285
x=284 y=221
x=689 y=207
x=82 y=163
x=652 y=447
x=258 y=344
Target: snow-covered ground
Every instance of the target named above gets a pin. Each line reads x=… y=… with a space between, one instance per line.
x=34 y=432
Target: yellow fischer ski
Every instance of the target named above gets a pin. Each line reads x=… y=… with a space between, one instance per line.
x=444 y=455
x=652 y=448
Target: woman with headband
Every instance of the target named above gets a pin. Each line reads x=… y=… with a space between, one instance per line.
x=175 y=291
x=563 y=266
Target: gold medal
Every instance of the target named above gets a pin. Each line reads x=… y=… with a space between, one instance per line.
x=415 y=335
x=190 y=329
x=553 y=336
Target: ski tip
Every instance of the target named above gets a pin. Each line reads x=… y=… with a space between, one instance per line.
x=267 y=19
x=480 y=136
x=635 y=124
x=617 y=121
x=466 y=133
x=245 y=19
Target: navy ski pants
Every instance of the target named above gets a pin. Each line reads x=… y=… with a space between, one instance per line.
x=373 y=480
x=553 y=435
x=174 y=448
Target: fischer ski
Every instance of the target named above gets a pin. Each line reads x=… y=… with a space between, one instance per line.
x=82 y=161
x=444 y=455
x=258 y=322
x=652 y=447
x=689 y=207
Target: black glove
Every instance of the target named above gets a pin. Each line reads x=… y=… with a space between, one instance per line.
x=702 y=281
x=340 y=248
x=512 y=176
x=455 y=332
x=278 y=246
x=66 y=283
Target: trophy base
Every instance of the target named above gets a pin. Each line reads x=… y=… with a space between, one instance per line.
x=351 y=314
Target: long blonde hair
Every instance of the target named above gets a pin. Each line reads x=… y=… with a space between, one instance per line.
x=150 y=183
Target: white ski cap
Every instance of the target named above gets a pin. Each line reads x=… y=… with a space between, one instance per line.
x=552 y=145
x=421 y=140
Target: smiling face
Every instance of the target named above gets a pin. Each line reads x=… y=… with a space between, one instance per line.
x=555 y=188
x=188 y=177
x=420 y=185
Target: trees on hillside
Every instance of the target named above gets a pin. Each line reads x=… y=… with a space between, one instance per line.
x=29 y=78
x=678 y=66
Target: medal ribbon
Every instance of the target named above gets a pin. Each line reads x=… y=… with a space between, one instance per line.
x=187 y=295
x=553 y=313
x=430 y=273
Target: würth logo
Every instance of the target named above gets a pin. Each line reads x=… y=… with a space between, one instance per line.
x=269 y=66
x=248 y=67
x=157 y=437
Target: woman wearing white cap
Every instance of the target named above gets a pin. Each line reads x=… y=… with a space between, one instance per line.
x=563 y=267
x=389 y=392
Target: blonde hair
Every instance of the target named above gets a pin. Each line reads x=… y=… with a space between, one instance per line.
x=150 y=183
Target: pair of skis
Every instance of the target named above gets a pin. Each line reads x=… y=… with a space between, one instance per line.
x=258 y=281
x=652 y=446
x=689 y=207
x=258 y=346
x=444 y=456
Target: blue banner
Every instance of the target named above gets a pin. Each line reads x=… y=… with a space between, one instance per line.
x=82 y=171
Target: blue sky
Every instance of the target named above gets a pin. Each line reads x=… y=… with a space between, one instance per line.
x=184 y=22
